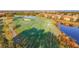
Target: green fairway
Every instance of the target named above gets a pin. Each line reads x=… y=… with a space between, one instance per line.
x=38 y=22
x=36 y=32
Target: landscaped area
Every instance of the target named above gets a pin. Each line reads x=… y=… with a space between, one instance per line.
x=38 y=30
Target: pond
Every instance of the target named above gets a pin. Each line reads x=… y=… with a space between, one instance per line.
x=72 y=32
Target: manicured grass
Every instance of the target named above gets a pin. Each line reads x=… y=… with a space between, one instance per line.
x=38 y=32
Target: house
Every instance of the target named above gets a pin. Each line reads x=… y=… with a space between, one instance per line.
x=67 y=18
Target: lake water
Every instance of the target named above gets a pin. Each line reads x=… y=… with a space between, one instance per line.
x=72 y=32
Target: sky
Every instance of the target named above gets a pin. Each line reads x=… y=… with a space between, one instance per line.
x=39 y=5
